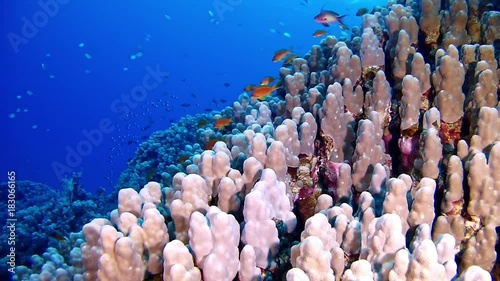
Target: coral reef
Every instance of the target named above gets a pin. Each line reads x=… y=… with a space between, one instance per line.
x=376 y=162
x=49 y=216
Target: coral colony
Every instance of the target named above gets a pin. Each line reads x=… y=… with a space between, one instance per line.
x=378 y=159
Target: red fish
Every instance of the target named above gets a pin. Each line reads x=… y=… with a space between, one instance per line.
x=263 y=91
x=183 y=158
x=320 y=33
x=281 y=54
x=202 y=123
x=267 y=80
x=210 y=144
x=222 y=123
x=290 y=58
x=250 y=88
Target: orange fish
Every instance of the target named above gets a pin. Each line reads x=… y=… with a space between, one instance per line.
x=281 y=54
x=361 y=12
x=320 y=33
x=267 y=80
x=263 y=91
x=210 y=144
x=222 y=123
x=202 y=123
x=59 y=237
x=250 y=88
x=290 y=58
x=183 y=158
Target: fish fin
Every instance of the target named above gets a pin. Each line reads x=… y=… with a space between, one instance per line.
x=339 y=19
x=325 y=24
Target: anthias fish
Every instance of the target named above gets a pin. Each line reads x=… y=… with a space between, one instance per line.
x=222 y=123
x=290 y=58
x=280 y=55
x=263 y=91
x=361 y=12
x=326 y=17
x=319 y=33
x=267 y=80
x=250 y=87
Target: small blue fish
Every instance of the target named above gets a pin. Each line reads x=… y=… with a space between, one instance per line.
x=325 y=17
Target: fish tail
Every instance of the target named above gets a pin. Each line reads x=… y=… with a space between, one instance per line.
x=339 y=19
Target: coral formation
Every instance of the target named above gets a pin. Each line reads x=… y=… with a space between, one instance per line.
x=376 y=162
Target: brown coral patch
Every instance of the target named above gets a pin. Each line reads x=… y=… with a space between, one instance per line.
x=456 y=210
x=304 y=175
x=425 y=100
x=305 y=160
x=368 y=74
x=450 y=132
x=292 y=171
x=410 y=132
x=431 y=37
x=326 y=147
x=307 y=205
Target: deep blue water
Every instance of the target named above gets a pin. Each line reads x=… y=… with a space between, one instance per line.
x=72 y=92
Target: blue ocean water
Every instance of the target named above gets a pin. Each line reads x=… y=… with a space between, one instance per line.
x=69 y=67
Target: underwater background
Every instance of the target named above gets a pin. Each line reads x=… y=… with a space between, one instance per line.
x=115 y=113
x=67 y=77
